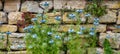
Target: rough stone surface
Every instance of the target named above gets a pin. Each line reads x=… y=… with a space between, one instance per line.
x=114 y=39
x=58 y=4
x=3 y=17
x=31 y=6
x=17 y=44
x=17 y=35
x=110 y=17
x=112 y=4
x=11 y=5
x=95 y=51
x=13 y=17
x=76 y=4
x=53 y=14
x=118 y=20
x=114 y=28
x=18 y=52
x=3 y=41
x=6 y=28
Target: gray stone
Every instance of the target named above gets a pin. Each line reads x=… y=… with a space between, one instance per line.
x=31 y=6
x=58 y=4
x=95 y=51
x=3 y=18
x=114 y=39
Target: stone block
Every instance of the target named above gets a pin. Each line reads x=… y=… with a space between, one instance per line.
x=13 y=17
x=3 y=41
x=31 y=6
x=6 y=28
x=11 y=5
x=3 y=18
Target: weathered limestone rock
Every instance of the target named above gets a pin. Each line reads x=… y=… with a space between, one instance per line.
x=0 y=4
x=118 y=20
x=31 y=6
x=3 y=41
x=13 y=17
x=95 y=51
x=52 y=20
x=6 y=28
x=11 y=5
x=49 y=2
x=53 y=14
x=1 y=52
x=76 y=4
x=112 y=4
x=99 y=28
x=17 y=52
x=114 y=28
x=3 y=17
x=114 y=39
x=17 y=41
x=110 y=17
x=58 y=4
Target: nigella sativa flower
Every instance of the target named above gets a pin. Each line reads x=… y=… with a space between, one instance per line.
x=82 y=28
x=87 y=15
x=19 y=46
x=58 y=18
x=71 y=30
x=43 y=21
x=34 y=36
x=30 y=46
x=79 y=10
x=28 y=27
x=49 y=33
x=72 y=16
x=80 y=32
x=57 y=37
x=92 y=29
x=96 y=21
x=8 y=33
x=34 y=19
x=45 y=4
x=92 y=33
x=51 y=41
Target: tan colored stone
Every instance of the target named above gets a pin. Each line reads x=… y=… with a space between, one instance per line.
x=6 y=28
x=58 y=4
x=53 y=14
x=17 y=35
x=11 y=5
x=18 y=52
x=13 y=17
x=1 y=52
x=114 y=39
x=20 y=29
x=112 y=4
x=3 y=17
x=17 y=44
x=52 y=20
x=31 y=6
x=95 y=51
x=0 y=4
x=118 y=20
x=114 y=28
x=3 y=41
x=110 y=17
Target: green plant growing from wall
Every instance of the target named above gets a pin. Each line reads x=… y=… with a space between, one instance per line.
x=95 y=8
x=107 y=47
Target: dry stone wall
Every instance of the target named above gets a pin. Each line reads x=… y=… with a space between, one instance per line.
x=11 y=11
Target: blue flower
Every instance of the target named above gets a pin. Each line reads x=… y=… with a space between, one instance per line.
x=39 y=15
x=92 y=29
x=49 y=33
x=79 y=10
x=34 y=19
x=46 y=4
x=96 y=23
x=96 y=19
x=58 y=18
x=92 y=33
x=72 y=16
x=34 y=36
x=20 y=46
x=30 y=26
x=57 y=37
x=8 y=33
x=51 y=41
x=88 y=15
x=43 y=21
x=30 y=46
x=71 y=30
x=80 y=32
x=82 y=28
